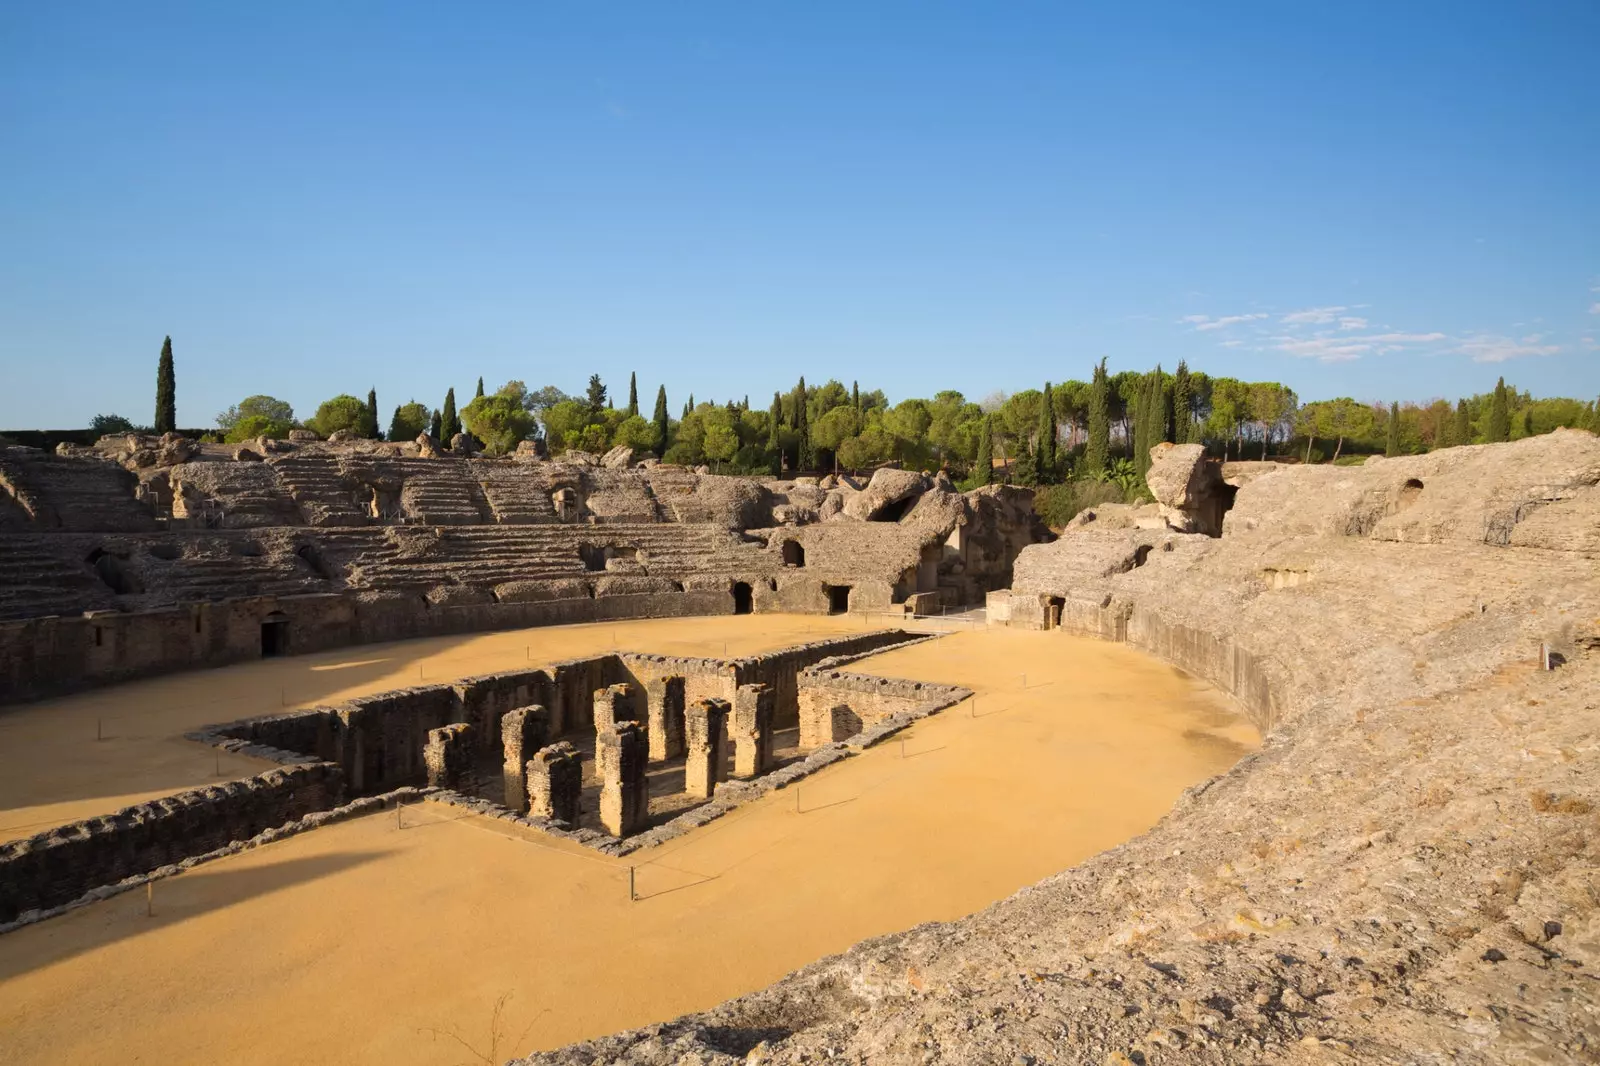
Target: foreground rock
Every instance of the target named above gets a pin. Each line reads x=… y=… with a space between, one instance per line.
x=1409 y=871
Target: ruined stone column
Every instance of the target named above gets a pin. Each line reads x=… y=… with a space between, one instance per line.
x=621 y=754
x=522 y=732
x=555 y=783
x=665 y=697
x=708 y=744
x=753 y=708
x=612 y=706
x=448 y=756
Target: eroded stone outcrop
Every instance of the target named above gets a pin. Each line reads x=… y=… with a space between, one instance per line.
x=1406 y=872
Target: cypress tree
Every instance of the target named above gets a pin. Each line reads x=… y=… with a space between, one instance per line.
x=663 y=424
x=691 y=401
x=855 y=395
x=802 y=427
x=1159 y=431
x=1141 y=427
x=370 y=430
x=984 y=464
x=633 y=394
x=1391 y=446
x=1099 y=446
x=435 y=426
x=1182 y=404
x=1044 y=457
x=394 y=425
x=480 y=387
x=1499 y=415
x=166 y=391
x=449 y=424
x=1463 y=433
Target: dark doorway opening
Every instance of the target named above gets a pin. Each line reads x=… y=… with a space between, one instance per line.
x=838 y=598
x=743 y=601
x=893 y=512
x=1052 y=612
x=794 y=553
x=274 y=636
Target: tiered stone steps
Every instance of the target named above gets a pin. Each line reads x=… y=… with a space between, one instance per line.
x=518 y=494
x=441 y=492
x=487 y=556
x=325 y=496
x=37 y=577
x=89 y=495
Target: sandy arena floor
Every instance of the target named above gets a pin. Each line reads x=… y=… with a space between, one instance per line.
x=368 y=942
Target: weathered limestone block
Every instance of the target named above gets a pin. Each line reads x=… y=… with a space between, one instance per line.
x=448 y=756
x=613 y=706
x=1188 y=487
x=427 y=447
x=666 y=706
x=555 y=783
x=523 y=731
x=622 y=753
x=708 y=745
x=753 y=708
x=825 y=720
x=618 y=458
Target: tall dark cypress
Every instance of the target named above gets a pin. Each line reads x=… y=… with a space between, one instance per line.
x=1098 y=448
x=370 y=430
x=633 y=394
x=166 y=391
x=855 y=395
x=984 y=465
x=805 y=460
x=480 y=387
x=1044 y=453
x=1499 y=415
x=435 y=426
x=663 y=423
x=1391 y=446
x=1182 y=404
x=1463 y=433
x=1141 y=426
x=449 y=424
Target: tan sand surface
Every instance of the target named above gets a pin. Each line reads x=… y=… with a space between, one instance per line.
x=53 y=769
x=369 y=943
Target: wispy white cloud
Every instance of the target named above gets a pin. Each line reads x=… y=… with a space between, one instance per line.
x=1594 y=309
x=1230 y=344
x=1203 y=323
x=1589 y=343
x=1352 y=322
x=1491 y=348
x=1313 y=316
x=1404 y=338
x=1324 y=349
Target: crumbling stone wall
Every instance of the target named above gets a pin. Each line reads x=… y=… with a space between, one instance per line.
x=753 y=709
x=555 y=783
x=621 y=755
x=707 y=760
x=523 y=732
x=448 y=756
x=835 y=705
x=57 y=866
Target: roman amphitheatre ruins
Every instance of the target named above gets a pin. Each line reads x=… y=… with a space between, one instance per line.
x=363 y=752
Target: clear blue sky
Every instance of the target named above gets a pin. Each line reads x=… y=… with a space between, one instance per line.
x=1387 y=200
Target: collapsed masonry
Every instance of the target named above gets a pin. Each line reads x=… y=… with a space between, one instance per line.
x=146 y=555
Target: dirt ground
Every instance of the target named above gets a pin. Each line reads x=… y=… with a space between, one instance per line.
x=433 y=937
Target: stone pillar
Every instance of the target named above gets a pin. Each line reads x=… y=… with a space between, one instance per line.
x=753 y=707
x=613 y=706
x=555 y=783
x=448 y=756
x=621 y=754
x=522 y=732
x=708 y=745
x=665 y=697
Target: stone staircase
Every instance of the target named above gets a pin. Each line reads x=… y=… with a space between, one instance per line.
x=325 y=495
x=490 y=555
x=441 y=492
x=80 y=495
x=517 y=494
x=38 y=577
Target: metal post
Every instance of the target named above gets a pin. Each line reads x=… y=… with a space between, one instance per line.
x=399 y=805
x=633 y=896
x=149 y=899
